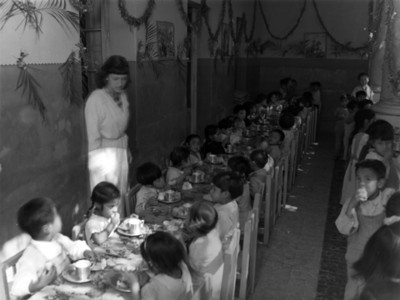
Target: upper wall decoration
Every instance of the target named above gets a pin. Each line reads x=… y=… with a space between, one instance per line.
x=165 y=39
x=131 y=20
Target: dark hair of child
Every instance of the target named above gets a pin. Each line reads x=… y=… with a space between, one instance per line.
x=381 y=256
x=271 y=94
x=210 y=130
x=382 y=130
x=351 y=105
x=114 y=65
x=260 y=98
x=393 y=205
x=228 y=181
x=225 y=124
x=35 y=214
x=280 y=132
x=104 y=192
x=202 y=218
x=286 y=121
x=381 y=290
x=240 y=166
x=363 y=104
x=147 y=173
x=259 y=157
x=359 y=119
x=361 y=75
x=162 y=252
x=178 y=156
x=360 y=94
x=191 y=137
x=238 y=108
x=374 y=165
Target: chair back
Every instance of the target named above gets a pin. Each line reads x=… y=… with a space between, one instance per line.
x=130 y=200
x=230 y=267
x=253 y=243
x=245 y=261
x=7 y=272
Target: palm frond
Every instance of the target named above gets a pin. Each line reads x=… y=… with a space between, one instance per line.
x=30 y=87
x=68 y=71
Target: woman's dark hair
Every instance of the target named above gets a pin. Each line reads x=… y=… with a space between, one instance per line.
x=114 y=65
x=381 y=256
x=202 y=218
x=35 y=214
x=163 y=252
x=382 y=130
x=286 y=121
x=179 y=155
x=240 y=166
x=147 y=173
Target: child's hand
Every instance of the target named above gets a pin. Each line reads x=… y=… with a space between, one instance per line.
x=115 y=219
x=361 y=195
x=45 y=278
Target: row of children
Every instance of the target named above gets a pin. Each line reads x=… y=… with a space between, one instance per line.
x=371 y=177
x=360 y=98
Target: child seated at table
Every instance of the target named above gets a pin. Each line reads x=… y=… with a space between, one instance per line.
x=258 y=160
x=239 y=112
x=286 y=122
x=150 y=177
x=48 y=253
x=179 y=167
x=226 y=191
x=240 y=166
x=212 y=143
x=276 y=138
x=169 y=277
x=193 y=143
x=225 y=127
x=103 y=214
x=204 y=245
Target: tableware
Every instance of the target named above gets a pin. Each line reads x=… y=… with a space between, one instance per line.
x=70 y=274
x=131 y=227
x=118 y=281
x=197 y=177
x=169 y=196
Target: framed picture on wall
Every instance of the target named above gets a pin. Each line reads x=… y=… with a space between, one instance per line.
x=315 y=44
x=225 y=39
x=165 y=39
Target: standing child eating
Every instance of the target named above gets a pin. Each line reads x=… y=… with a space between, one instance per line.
x=362 y=215
x=48 y=253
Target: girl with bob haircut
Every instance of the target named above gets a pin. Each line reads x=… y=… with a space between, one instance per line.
x=205 y=246
x=171 y=279
x=107 y=116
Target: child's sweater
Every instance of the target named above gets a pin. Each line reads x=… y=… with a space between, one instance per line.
x=143 y=196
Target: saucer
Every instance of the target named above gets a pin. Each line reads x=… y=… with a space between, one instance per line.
x=126 y=232
x=69 y=275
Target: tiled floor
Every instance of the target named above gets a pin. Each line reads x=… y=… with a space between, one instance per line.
x=290 y=264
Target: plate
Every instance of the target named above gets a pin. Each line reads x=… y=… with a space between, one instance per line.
x=118 y=281
x=69 y=275
x=127 y=233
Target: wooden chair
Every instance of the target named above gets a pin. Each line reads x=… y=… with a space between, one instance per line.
x=230 y=267
x=130 y=200
x=253 y=244
x=7 y=272
x=245 y=257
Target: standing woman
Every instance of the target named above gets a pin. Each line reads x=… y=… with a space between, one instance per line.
x=107 y=116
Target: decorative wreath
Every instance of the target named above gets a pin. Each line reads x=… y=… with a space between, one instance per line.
x=131 y=20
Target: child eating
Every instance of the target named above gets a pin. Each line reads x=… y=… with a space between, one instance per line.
x=103 y=214
x=150 y=177
x=179 y=168
x=193 y=142
x=49 y=252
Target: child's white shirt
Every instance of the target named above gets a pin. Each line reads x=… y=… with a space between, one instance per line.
x=367 y=89
x=96 y=224
x=144 y=194
x=164 y=287
x=172 y=174
x=228 y=218
x=348 y=225
x=39 y=255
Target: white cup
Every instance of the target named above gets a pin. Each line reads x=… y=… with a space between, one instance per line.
x=169 y=196
x=82 y=269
